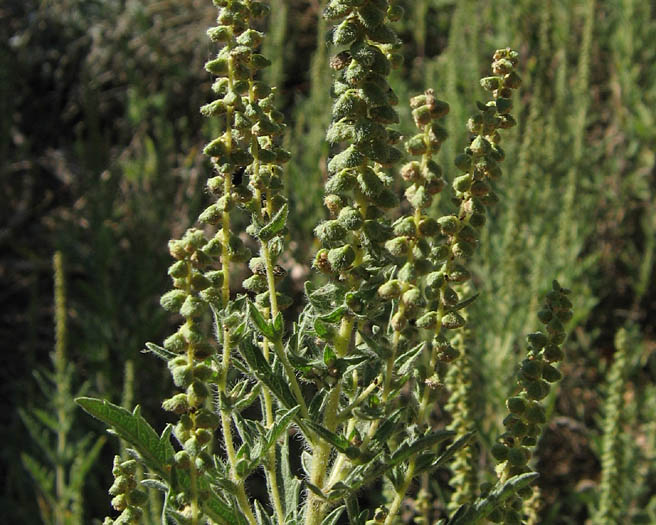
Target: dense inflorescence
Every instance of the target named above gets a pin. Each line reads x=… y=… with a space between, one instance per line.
x=526 y=415
x=127 y=499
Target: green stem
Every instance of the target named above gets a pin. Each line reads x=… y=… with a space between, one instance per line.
x=321 y=453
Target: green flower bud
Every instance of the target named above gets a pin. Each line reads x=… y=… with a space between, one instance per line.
x=428 y=227
x=349 y=158
x=479 y=146
x=182 y=376
x=256 y=283
x=173 y=300
x=330 y=233
x=453 y=320
x=459 y=274
x=422 y=116
x=397 y=246
x=449 y=224
x=341 y=258
x=197 y=392
x=490 y=83
x=416 y=145
x=480 y=188
x=516 y=405
x=370 y=184
x=408 y=273
x=119 y=502
x=537 y=390
x=463 y=249
x=119 y=486
x=405 y=227
x=504 y=105
x=531 y=368
x=399 y=321
x=499 y=451
x=346 y=33
x=427 y=321
x=387 y=199
x=390 y=290
x=137 y=498
x=535 y=414
x=192 y=307
x=537 y=340
x=206 y=419
x=462 y=183
x=518 y=456
x=177 y=404
x=175 y=343
x=412 y=298
x=440 y=252
x=551 y=374
x=435 y=280
x=411 y=172
x=477 y=220
x=518 y=428
x=436 y=136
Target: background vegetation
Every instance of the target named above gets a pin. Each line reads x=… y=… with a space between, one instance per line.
x=101 y=139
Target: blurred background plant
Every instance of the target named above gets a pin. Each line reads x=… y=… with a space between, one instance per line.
x=101 y=137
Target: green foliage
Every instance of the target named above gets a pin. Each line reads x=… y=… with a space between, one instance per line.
x=103 y=160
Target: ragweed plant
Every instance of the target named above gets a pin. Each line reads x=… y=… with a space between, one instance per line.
x=357 y=375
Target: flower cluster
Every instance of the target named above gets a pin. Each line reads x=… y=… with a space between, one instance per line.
x=526 y=414
x=127 y=498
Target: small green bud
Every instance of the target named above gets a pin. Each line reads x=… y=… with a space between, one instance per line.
x=197 y=392
x=435 y=280
x=490 y=83
x=330 y=233
x=518 y=456
x=341 y=258
x=172 y=301
x=427 y=321
x=480 y=188
x=462 y=183
x=411 y=172
x=531 y=368
x=120 y=486
x=504 y=105
x=350 y=218
x=408 y=273
x=477 y=220
x=397 y=246
x=459 y=274
x=345 y=33
x=370 y=184
x=463 y=249
x=399 y=321
x=136 y=498
x=537 y=340
x=192 y=307
x=428 y=227
x=207 y=419
x=412 y=298
x=256 y=283
x=479 y=146
x=449 y=224
x=341 y=182
x=176 y=343
x=499 y=451
x=453 y=320
x=516 y=405
x=119 y=502
x=422 y=116
x=535 y=413
x=390 y=290
x=182 y=376
x=182 y=459
x=440 y=252
x=416 y=145
x=551 y=374
x=334 y=203
x=537 y=390
x=177 y=404
x=405 y=227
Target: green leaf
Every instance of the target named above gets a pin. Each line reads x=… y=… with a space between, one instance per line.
x=282 y=423
x=339 y=442
x=407 y=450
x=159 y=351
x=263 y=326
x=278 y=326
x=386 y=430
x=43 y=477
x=326 y=298
x=245 y=401
x=333 y=517
x=277 y=384
x=157 y=452
x=261 y=515
x=335 y=316
x=483 y=506
x=275 y=225
x=463 y=304
x=405 y=362
x=426 y=466
x=83 y=464
x=288 y=484
x=323 y=331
